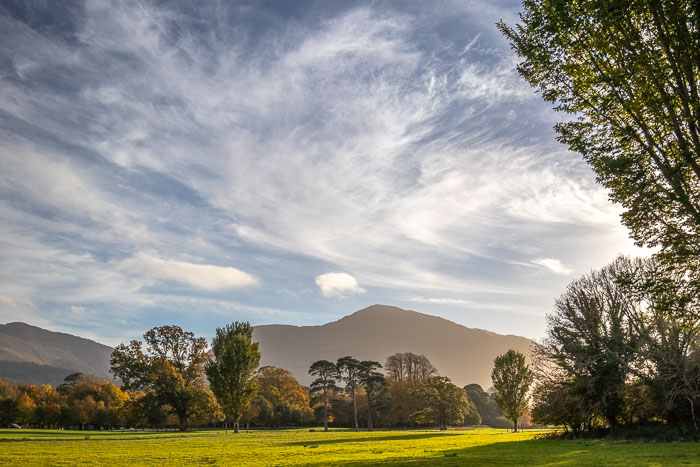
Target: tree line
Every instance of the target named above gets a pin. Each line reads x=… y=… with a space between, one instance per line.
x=174 y=371
x=82 y=401
x=171 y=380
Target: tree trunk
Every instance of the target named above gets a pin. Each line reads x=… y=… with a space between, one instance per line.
x=354 y=407
x=369 y=413
x=235 y=425
x=325 y=410
x=183 y=422
x=515 y=425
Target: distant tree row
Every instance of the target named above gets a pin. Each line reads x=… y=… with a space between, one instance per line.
x=411 y=393
x=82 y=401
x=173 y=381
x=172 y=374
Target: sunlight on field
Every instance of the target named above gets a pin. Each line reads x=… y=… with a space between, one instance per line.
x=478 y=447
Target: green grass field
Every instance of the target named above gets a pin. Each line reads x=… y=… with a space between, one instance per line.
x=301 y=447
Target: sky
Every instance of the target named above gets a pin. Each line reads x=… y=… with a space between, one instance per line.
x=196 y=163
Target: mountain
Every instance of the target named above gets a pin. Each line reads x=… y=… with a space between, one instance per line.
x=463 y=354
x=33 y=355
x=29 y=354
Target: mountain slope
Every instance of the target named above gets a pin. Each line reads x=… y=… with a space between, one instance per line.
x=463 y=354
x=33 y=355
x=30 y=354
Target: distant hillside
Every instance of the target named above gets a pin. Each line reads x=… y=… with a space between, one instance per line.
x=463 y=354
x=33 y=355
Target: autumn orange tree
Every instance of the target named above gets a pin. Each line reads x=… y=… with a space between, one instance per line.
x=285 y=399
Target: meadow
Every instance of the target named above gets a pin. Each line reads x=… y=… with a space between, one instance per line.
x=302 y=447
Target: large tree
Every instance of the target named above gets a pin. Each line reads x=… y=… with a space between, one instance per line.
x=326 y=376
x=281 y=393
x=232 y=372
x=171 y=371
x=446 y=403
x=350 y=372
x=629 y=72
x=591 y=338
x=373 y=382
x=488 y=409
x=622 y=346
x=666 y=323
x=511 y=377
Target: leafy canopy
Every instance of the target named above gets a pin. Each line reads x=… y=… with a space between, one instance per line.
x=232 y=372
x=512 y=378
x=171 y=372
x=445 y=402
x=629 y=73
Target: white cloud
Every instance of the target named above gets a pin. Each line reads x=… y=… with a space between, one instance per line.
x=553 y=265
x=200 y=276
x=338 y=284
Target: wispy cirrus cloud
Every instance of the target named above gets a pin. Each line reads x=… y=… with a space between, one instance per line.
x=262 y=145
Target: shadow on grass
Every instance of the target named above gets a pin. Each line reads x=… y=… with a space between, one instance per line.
x=552 y=452
x=355 y=439
x=72 y=435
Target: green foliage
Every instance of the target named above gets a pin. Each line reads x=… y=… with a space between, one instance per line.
x=623 y=347
x=487 y=407
x=446 y=404
x=349 y=369
x=668 y=330
x=373 y=383
x=554 y=403
x=172 y=371
x=629 y=72
x=326 y=376
x=232 y=372
x=404 y=402
x=591 y=339
x=9 y=410
x=511 y=378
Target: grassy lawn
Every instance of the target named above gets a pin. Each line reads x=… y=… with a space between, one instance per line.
x=301 y=447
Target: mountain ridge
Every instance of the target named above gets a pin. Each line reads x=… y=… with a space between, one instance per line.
x=34 y=355
x=373 y=333
x=378 y=331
